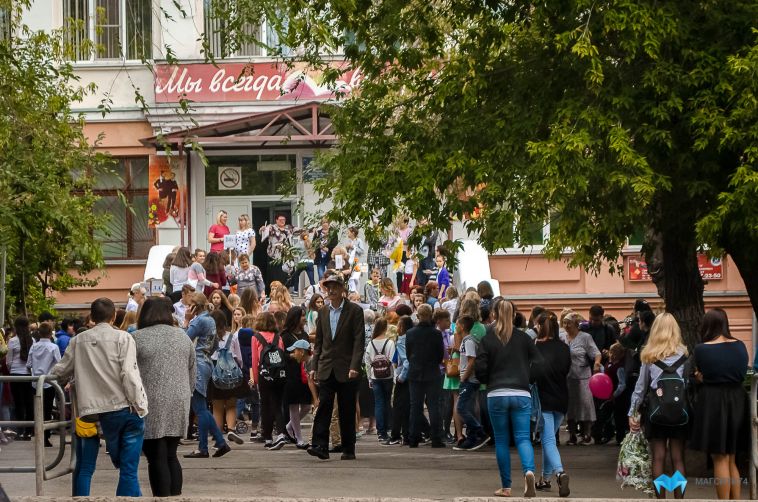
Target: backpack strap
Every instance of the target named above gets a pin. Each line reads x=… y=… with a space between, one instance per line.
x=260 y=339
x=673 y=367
x=385 y=345
x=275 y=341
x=374 y=346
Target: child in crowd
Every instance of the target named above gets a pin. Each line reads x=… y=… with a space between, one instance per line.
x=409 y=275
x=469 y=386
x=417 y=300
x=443 y=275
x=450 y=300
x=621 y=395
x=441 y=319
x=43 y=355
x=372 y=289
x=300 y=352
x=234 y=300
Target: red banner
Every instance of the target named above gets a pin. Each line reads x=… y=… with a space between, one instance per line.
x=167 y=192
x=246 y=82
x=711 y=269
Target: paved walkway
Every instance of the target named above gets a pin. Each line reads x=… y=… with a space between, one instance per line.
x=249 y=471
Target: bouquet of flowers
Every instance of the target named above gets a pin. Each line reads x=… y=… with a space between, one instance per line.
x=634 y=463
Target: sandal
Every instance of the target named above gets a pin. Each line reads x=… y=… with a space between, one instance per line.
x=503 y=492
x=543 y=486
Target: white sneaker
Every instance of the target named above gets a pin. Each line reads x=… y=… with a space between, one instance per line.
x=530 y=489
x=233 y=436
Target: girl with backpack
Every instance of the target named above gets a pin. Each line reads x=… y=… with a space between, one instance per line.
x=224 y=401
x=297 y=393
x=269 y=376
x=379 y=355
x=662 y=372
x=721 y=426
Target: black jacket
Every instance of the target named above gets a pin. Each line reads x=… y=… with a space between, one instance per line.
x=550 y=376
x=425 y=351
x=508 y=366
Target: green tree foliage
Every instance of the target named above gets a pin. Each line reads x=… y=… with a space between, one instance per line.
x=46 y=168
x=605 y=117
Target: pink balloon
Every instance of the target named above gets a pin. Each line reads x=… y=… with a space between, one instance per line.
x=601 y=386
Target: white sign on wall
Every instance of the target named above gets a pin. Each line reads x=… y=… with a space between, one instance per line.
x=230 y=178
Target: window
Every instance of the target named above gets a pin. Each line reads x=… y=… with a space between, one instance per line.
x=127 y=235
x=252 y=39
x=108 y=30
x=260 y=175
x=5 y=23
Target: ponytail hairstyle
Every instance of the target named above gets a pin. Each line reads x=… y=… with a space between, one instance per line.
x=548 y=324
x=504 y=321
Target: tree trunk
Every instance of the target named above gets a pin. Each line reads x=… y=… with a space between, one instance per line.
x=671 y=254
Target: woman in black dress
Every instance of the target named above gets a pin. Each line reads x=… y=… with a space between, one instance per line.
x=721 y=425
x=297 y=393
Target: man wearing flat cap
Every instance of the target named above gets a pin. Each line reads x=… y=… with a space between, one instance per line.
x=337 y=360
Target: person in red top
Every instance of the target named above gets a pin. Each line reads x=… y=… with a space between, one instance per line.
x=217 y=232
x=271 y=391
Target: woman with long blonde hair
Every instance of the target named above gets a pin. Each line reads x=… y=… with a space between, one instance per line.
x=280 y=294
x=244 y=238
x=664 y=349
x=503 y=363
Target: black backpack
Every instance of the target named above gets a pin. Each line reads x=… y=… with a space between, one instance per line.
x=272 y=366
x=668 y=404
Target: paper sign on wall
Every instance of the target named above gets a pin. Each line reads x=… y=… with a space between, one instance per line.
x=230 y=178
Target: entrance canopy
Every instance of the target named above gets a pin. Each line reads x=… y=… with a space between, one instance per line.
x=301 y=125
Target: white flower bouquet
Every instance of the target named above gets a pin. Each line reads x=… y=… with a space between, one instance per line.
x=634 y=467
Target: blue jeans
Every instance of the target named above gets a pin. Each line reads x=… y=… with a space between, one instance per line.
x=86 y=460
x=551 y=459
x=382 y=405
x=205 y=423
x=294 y=280
x=507 y=412
x=124 y=432
x=466 y=403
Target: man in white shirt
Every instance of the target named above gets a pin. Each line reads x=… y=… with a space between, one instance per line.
x=103 y=363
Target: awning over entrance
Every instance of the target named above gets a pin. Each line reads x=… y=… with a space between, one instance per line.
x=302 y=125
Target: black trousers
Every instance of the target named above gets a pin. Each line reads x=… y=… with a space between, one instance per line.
x=272 y=395
x=346 y=393
x=163 y=466
x=446 y=409
x=23 y=402
x=426 y=391
x=401 y=411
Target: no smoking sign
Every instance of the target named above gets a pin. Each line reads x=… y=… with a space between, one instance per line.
x=230 y=178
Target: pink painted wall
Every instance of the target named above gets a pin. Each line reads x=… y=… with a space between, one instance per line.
x=532 y=280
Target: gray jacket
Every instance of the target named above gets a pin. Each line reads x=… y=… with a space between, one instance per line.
x=103 y=361
x=166 y=360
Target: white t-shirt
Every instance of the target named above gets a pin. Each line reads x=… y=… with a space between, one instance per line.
x=242 y=240
x=409 y=267
x=234 y=348
x=468 y=349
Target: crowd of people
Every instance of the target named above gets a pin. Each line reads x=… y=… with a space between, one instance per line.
x=408 y=359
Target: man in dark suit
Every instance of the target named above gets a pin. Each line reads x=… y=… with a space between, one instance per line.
x=425 y=351
x=336 y=367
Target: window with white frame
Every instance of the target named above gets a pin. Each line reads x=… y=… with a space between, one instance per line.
x=250 y=39
x=108 y=30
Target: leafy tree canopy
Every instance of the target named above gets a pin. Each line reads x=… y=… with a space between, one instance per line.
x=47 y=167
x=603 y=117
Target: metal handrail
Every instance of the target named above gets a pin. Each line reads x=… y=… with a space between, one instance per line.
x=753 y=437
x=43 y=472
